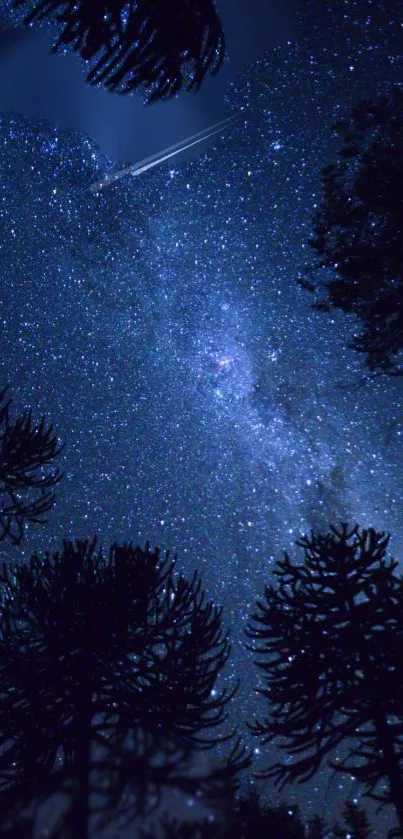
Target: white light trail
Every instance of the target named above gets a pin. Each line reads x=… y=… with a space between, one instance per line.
x=160 y=157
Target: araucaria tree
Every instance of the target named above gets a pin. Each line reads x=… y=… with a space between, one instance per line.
x=356 y=820
x=358 y=231
x=329 y=640
x=129 y=44
x=248 y=818
x=28 y=474
x=107 y=669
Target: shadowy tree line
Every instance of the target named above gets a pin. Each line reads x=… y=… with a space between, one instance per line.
x=109 y=661
x=249 y=817
x=108 y=664
x=358 y=231
x=28 y=474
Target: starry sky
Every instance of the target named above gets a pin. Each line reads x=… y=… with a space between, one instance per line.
x=159 y=325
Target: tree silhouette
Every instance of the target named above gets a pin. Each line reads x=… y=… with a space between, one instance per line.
x=251 y=817
x=130 y=44
x=107 y=667
x=339 y=832
x=328 y=639
x=27 y=472
x=174 y=828
x=247 y=819
x=21 y=828
x=316 y=828
x=358 y=230
x=356 y=819
x=282 y=820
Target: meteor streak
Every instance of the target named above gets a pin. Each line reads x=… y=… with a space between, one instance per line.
x=160 y=157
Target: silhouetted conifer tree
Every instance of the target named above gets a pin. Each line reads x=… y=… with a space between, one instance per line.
x=338 y=832
x=356 y=819
x=358 y=230
x=329 y=641
x=107 y=666
x=28 y=475
x=174 y=828
x=21 y=828
x=248 y=819
x=316 y=828
x=251 y=817
x=148 y=42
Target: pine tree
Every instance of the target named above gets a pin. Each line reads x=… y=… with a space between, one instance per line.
x=107 y=667
x=338 y=832
x=328 y=639
x=173 y=828
x=356 y=820
x=316 y=828
x=132 y=44
x=249 y=819
x=358 y=231
x=28 y=476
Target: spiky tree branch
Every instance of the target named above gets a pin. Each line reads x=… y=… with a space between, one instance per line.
x=356 y=819
x=28 y=476
x=144 y=43
x=107 y=668
x=358 y=231
x=328 y=639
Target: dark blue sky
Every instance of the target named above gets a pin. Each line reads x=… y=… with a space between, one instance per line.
x=160 y=326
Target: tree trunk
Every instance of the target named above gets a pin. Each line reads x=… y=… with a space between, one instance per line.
x=385 y=740
x=77 y=817
x=391 y=762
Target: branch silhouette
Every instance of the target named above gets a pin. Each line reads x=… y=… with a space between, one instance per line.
x=28 y=476
x=358 y=231
x=107 y=668
x=328 y=640
x=145 y=43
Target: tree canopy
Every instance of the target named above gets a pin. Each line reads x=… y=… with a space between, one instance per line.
x=107 y=669
x=328 y=639
x=358 y=231
x=247 y=817
x=128 y=44
x=28 y=474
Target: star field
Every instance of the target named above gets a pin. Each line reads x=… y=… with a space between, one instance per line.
x=159 y=325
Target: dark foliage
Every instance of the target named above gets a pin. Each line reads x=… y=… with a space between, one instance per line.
x=339 y=832
x=107 y=665
x=356 y=820
x=250 y=817
x=10 y=36
x=173 y=828
x=316 y=828
x=28 y=476
x=329 y=641
x=145 y=43
x=281 y=821
x=358 y=230
x=21 y=828
x=246 y=820
x=247 y=817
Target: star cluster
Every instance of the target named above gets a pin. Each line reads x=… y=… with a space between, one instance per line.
x=158 y=323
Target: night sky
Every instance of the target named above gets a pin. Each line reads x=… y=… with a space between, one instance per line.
x=159 y=325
